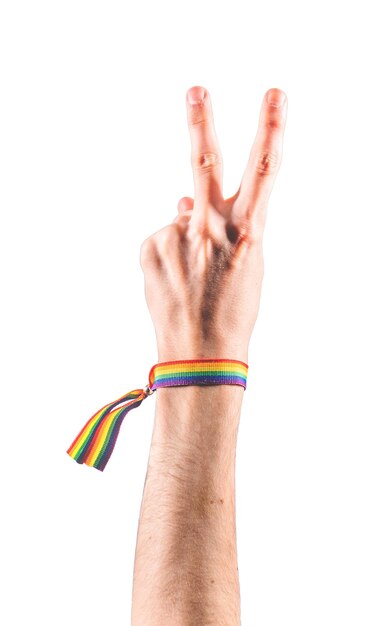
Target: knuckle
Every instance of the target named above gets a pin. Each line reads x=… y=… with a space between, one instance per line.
x=160 y=246
x=148 y=252
x=198 y=118
x=250 y=231
x=168 y=241
x=206 y=161
x=249 y=223
x=273 y=123
x=267 y=163
x=199 y=229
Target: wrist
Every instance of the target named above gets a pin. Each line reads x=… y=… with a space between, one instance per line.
x=187 y=412
x=175 y=348
x=193 y=394
x=194 y=418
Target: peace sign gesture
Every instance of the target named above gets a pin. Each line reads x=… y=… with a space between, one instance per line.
x=203 y=272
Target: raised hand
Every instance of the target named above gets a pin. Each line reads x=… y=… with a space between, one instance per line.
x=203 y=272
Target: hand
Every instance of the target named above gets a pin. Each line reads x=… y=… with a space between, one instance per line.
x=203 y=272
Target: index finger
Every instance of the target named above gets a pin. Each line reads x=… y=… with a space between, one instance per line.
x=206 y=156
x=264 y=159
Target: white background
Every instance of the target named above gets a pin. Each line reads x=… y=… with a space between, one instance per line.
x=95 y=154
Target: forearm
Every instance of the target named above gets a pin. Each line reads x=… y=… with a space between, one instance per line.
x=185 y=570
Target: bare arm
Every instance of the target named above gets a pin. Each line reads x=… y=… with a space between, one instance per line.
x=186 y=564
x=203 y=276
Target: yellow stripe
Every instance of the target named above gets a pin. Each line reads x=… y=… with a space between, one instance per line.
x=193 y=367
x=85 y=434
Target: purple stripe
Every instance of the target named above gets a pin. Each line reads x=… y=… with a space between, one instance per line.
x=224 y=379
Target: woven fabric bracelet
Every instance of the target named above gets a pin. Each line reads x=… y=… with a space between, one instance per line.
x=95 y=442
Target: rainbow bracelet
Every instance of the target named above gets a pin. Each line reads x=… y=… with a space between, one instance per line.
x=95 y=442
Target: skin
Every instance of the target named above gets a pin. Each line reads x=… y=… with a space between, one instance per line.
x=203 y=275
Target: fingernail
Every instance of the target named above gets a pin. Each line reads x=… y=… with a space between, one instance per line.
x=276 y=98
x=196 y=95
